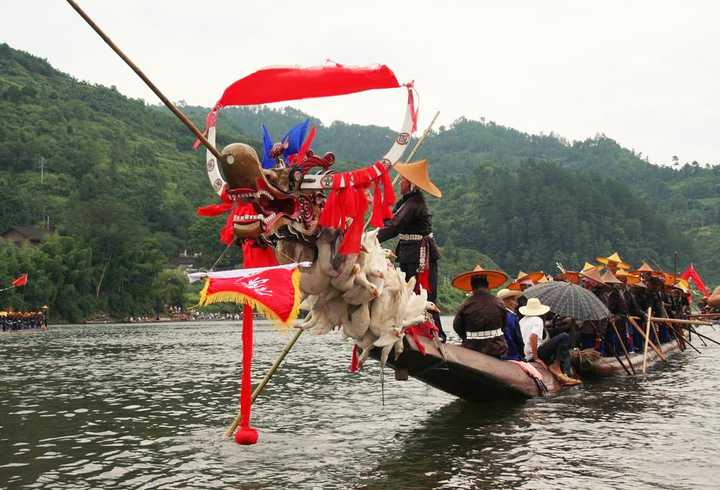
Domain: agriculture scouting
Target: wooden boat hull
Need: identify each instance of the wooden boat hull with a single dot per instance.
(477, 377)
(470, 375)
(609, 366)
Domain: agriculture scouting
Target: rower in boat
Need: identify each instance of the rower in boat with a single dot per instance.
(619, 310)
(416, 251)
(525, 280)
(631, 290)
(512, 333)
(614, 263)
(481, 318)
(592, 332)
(553, 352)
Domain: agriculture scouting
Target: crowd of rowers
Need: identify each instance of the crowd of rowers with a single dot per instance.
(510, 326)
(21, 320)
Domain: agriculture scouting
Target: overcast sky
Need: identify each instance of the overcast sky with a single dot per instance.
(645, 73)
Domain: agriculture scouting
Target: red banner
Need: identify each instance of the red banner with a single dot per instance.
(691, 274)
(283, 83)
(273, 291)
(294, 82)
(20, 281)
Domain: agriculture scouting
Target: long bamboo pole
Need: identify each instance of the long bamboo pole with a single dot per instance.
(642, 333)
(647, 340)
(198, 134)
(624, 348)
(419, 143)
(686, 341)
(259, 388)
(681, 321)
(693, 330)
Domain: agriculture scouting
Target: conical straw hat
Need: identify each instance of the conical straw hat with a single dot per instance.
(609, 278)
(645, 267)
(683, 285)
(615, 259)
(593, 275)
(531, 277)
(569, 276)
(494, 278)
(417, 174)
(588, 266)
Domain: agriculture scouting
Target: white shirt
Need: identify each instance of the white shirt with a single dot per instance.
(531, 325)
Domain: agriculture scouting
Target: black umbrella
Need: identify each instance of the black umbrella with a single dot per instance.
(567, 299)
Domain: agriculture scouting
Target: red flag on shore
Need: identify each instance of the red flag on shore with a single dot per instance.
(20, 281)
(691, 274)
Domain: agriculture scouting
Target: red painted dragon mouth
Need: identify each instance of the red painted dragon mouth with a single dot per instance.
(266, 211)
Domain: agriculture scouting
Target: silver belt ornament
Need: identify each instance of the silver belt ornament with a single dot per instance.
(413, 238)
(484, 334)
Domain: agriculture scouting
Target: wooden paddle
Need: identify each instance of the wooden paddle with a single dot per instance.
(624, 348)
(642, 333)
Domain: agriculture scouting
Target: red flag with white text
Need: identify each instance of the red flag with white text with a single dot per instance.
(273, 291)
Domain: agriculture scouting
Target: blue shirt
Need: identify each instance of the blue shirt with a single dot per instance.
(513, 337)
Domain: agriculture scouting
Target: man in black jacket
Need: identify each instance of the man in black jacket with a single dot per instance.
(416, 251)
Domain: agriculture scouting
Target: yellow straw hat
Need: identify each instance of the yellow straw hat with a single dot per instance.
(532, 277)
(613, 259)
(588, 266)
(494, 278)
(417, 174)
(507, 293)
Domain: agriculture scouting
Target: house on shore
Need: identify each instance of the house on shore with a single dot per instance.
(25, 236)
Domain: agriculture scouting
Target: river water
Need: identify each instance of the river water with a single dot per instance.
(145, 406)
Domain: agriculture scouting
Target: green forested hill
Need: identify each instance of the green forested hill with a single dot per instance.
(121, 184)
(562, 201)
(120, 188)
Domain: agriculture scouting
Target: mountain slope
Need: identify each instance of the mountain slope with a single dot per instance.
(121, 183)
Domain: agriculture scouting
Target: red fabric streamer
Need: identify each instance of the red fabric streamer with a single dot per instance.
(347, 203)
(411, 102)
(424, 279)
(388, 191)
(226, 233)
(216, 209)
(690, 273)
(427, 329)
(294, 83)
(210, 121)
(354, 361)
(213, 209)
(378, 216)
(353, 235)
(255, 255)
(246, 434)
(300, 155)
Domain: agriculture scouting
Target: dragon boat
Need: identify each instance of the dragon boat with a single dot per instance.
(477, 377)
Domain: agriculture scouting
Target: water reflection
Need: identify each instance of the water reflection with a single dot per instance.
(134, 406)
